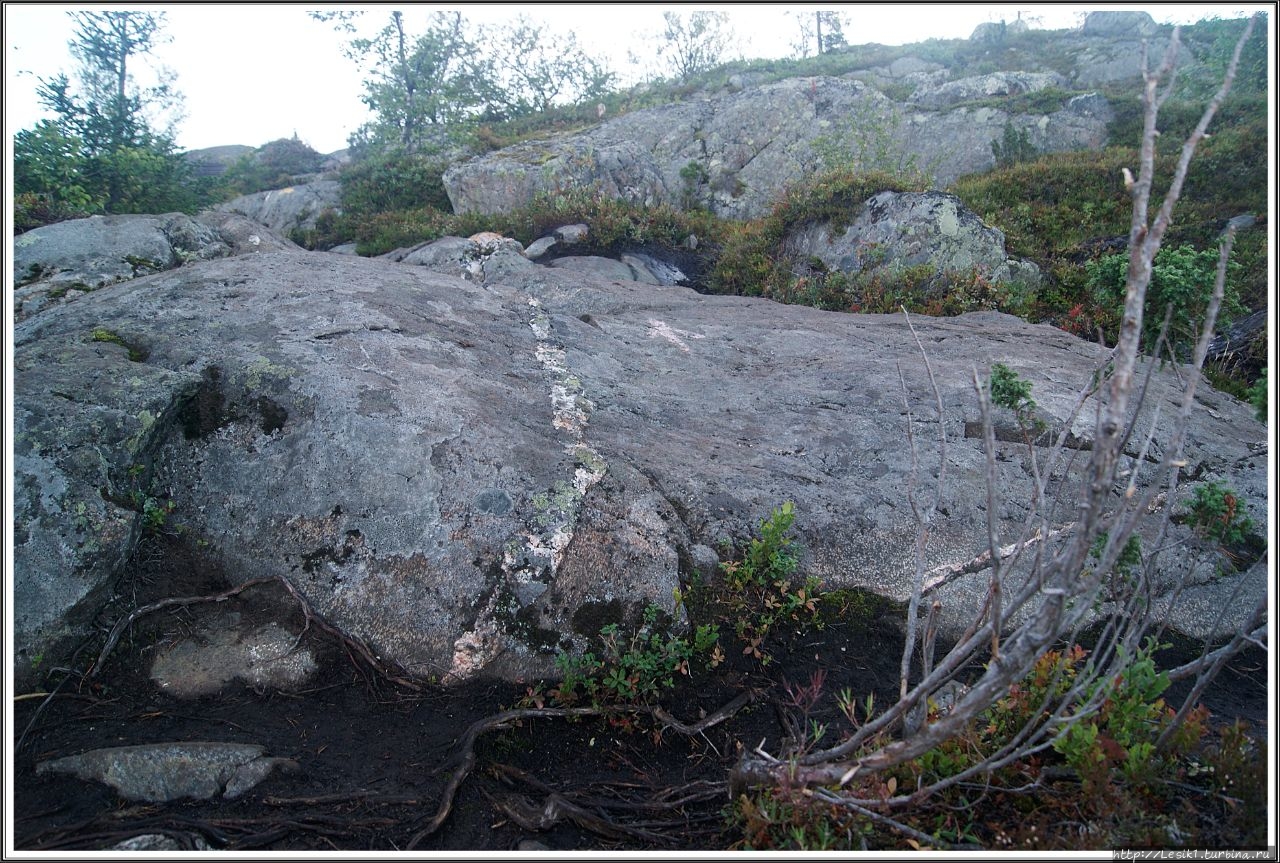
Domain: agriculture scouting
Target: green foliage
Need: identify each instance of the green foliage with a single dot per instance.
(769, 556)
(155, 513)
(1123, 731)
(752, 261)
(635, 667)
(34, 210)
(870, 140)
(1213, 41)
(100, 154)
(758, 588)
(56, 178)
(393, 181)
(48, 173)
(1181, 278)
(1010, 391)
(787, 819)
(1063, 210)
(616, 225)
(274, 165)
(389, 200)
(1258, 396)
(694, 176)
(695, 43)
(1014, 147)
(534, 69)
(431, 91)
(1217, 512)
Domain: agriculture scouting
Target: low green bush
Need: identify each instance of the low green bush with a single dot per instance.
(1182, 280)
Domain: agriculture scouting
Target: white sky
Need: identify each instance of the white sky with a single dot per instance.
(251, 73)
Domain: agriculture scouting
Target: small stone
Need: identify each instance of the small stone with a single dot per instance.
(539, 247)
(571, 234)
(162, 772)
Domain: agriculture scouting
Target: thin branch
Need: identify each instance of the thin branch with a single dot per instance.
(920, 836)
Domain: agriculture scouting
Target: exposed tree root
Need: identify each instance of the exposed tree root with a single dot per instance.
(466, 755)
(588, 812)
(128, 620)
(357, 650)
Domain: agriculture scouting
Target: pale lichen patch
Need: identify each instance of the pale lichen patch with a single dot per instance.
(529, 565)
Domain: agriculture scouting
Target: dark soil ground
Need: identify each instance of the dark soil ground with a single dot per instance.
(375, 757)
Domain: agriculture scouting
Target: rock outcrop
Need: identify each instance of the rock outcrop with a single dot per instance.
(995, 85)
(60, 262)
(469, 474)
(214, 161)
(752, 144)
(283, 210)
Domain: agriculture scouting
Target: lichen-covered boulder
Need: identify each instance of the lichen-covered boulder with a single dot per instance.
(1118, 23)
(166, 772)
(896, 230)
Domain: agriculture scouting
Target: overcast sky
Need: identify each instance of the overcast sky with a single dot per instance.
(251, 73)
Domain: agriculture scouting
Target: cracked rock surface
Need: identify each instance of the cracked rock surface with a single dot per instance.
(469, 474)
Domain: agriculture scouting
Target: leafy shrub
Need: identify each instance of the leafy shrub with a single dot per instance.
(393, 181)
(1123, 732)
(35, 209)
(274, 165)
(759, 591)
(1216, 511)
(1010, 391)
(1181, 278)
(379, 233)
(635, 667)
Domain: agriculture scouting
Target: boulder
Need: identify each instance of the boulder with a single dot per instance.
(990, 32)
(1115, 24)
(539, 247)
(895, 230)
(58, 263)
(283, 210)
(465, 257)
(470, 475)
(218, 648)
(1242, 348)
(102, 250)
(906, 67)
(603, 269)
(752, 144)
(454, 256)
